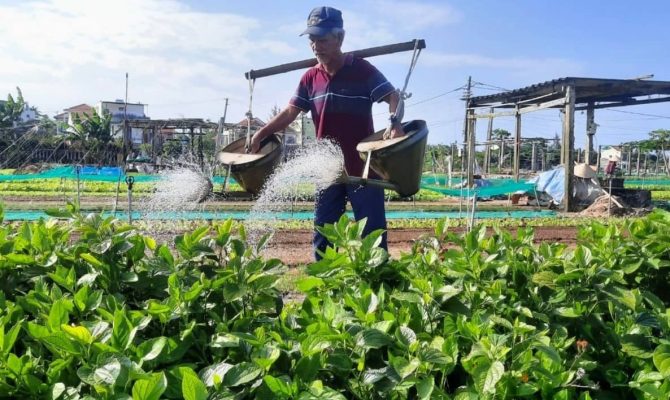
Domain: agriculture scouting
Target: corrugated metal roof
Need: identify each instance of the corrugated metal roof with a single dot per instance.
(586, 89)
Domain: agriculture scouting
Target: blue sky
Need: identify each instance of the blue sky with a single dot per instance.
(184, 58)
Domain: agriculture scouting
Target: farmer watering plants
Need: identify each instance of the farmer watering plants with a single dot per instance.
(339, 92)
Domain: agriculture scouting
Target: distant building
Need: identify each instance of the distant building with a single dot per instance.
(239, 130)
(303, 126)
(120, 110)
(28, 114)
(65, 119)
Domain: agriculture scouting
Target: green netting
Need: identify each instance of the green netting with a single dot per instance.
(647, 182)
(498, 187)
(104, 174)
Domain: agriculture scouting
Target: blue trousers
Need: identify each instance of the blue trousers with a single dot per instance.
(366, 201)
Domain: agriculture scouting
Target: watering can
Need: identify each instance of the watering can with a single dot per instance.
(399, 161)
(252, 170)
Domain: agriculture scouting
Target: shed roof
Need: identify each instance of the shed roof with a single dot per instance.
(618, 92)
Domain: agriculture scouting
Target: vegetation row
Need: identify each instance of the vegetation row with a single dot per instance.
(95, 309)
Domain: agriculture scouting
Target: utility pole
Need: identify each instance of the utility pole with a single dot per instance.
(466, 97)
(489, 133)
(126, 134)
(222, 127)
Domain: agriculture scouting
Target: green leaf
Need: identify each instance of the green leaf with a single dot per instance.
(151, 388)
(637, 346)
(662, 359)
(241, 374)
(278, 387)
(214, 373)
(152, 348)
(493, 375)
(192, 387)
(59, 342)
(91, 259)
(425, 387)
(372, 338)
(265, 356)
(79, 333)
(306, 284)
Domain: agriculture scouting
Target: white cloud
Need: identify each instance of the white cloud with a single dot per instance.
(172, 52)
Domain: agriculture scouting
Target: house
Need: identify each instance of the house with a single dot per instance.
(239, 130)
(120, 111)
(66, 118)
(28, 114)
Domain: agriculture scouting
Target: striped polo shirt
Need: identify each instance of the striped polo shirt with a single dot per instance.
(341, 105)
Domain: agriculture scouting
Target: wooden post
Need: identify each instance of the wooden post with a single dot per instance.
(533, 164)
(637, 166)
(567, 146)
(517, 143)
(629, 167)
(501, 155)
(590, 131)
(489, 133)
(600, 148)
(646, 158)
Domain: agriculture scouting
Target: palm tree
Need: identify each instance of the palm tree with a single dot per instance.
(92, 131)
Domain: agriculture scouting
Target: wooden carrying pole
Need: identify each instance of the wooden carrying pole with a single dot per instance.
(363, 53)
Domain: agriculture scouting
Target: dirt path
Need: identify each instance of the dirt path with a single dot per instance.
(294, 247)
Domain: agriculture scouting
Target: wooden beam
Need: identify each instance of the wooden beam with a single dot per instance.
(568, 145)
(590, 131)
(363, 53)
(625, 104)
(524, 110)
(517, 146)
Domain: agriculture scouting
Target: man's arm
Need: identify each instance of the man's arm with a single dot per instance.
(276, 124)
(395, 127)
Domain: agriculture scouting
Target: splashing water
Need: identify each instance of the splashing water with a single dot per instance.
(310, 170)
(181, 189)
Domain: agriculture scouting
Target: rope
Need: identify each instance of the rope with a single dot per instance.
(400, 109)
(247, 144)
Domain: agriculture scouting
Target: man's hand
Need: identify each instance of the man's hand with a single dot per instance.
(394, 131)
(255, 145)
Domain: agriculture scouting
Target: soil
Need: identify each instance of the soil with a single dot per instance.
(294, 247)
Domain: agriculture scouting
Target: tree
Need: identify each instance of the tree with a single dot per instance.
(661, 139)
(92, 131)
(10, 113)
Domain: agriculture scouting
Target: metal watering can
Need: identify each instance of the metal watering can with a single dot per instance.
(252, 170)
(399, 161)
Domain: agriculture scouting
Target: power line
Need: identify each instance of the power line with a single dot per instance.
(639, 113)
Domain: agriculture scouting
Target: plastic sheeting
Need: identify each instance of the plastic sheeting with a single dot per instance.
(553, 183)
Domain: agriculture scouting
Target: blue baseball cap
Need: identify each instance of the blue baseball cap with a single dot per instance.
(322, 20)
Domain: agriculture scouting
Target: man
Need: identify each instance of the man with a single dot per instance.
(339, 92)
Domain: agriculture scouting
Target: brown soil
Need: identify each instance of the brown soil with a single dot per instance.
(294, 247)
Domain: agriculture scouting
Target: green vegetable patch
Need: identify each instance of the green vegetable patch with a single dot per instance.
(95, 309)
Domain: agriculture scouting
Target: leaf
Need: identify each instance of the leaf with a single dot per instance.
(306, 284)
(549, 352)
(151, 388)
(278, 387)
(79, 333)
(214, 373)
(637, 346)
(372, 338)
(152, 348)
(192, 387)
(406, 335)
(265, 356)
(241, 374)
(425, 388)
(59, 342)
(91, 259)
(662, 359)
(493, 375)
(108, 373)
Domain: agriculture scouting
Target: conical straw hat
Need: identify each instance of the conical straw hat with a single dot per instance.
(584, 171)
